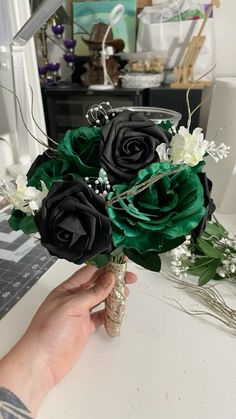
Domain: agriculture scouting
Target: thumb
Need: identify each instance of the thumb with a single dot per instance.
(86, 299)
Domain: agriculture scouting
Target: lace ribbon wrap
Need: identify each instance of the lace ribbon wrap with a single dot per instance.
(115, 302)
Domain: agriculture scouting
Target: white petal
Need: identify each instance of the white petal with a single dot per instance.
(183, 131)
(10, 187)
(34, 205)
(197, 131)
(44, 188)
(162, 152)
(31, 192)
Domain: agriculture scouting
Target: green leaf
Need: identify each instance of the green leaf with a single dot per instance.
(198, 168)
(172, 244)
(99, 261)
(208, 249)
(14, 223)
(166, 125)
(15, 219)
(213, 229)
(209, 272)
(27, 225)
(148, 260)
(201, 261)
(199, 265)
(222, 229)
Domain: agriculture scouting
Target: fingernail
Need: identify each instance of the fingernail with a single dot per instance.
(106, 280)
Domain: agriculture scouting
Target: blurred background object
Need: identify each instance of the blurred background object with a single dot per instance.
(222, 128)
(89, 13)
(102, 68)
(53, 33)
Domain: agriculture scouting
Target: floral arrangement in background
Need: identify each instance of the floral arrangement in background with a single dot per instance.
(123, 187)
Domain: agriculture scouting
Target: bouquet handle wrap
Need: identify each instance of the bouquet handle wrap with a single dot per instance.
(115, 302)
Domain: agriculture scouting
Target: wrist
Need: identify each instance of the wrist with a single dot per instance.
(23, 373)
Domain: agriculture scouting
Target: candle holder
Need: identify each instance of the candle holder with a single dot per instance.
(69, 44)
(58, 30)
(66, 45)
(69, 59)
(53, 68)
(69, 56)
(43, 69)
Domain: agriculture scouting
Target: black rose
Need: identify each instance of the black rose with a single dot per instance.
(73, 222)
(128, 143)
(208, 204)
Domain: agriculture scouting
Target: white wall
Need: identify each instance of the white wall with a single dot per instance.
(13, 16)
(222, 115)
(7, 120)
(225, 32)
(221, 128)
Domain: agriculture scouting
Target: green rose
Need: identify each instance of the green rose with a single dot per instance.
(50, 171)
(158, 218)
(81, 148)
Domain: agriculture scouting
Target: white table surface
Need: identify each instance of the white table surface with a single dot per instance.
(165, 365)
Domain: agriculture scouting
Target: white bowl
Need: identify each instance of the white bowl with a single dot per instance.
(156, 115)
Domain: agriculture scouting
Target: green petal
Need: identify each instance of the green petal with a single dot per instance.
(159, 217)
(51, 171)
(81, 148)
(148, 260)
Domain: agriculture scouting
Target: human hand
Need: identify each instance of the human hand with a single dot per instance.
(57, 335)
(64, 322)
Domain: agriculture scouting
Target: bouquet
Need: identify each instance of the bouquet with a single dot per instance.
(122, 188)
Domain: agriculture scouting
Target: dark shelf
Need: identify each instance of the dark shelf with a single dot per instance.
(66, 105)
(169, 98)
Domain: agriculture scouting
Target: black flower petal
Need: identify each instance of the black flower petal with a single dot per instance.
(208, 204)
(73, 222)
(128, 143)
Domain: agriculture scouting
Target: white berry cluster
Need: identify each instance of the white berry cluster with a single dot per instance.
(101, 185)
(98, 114)
(228, 266)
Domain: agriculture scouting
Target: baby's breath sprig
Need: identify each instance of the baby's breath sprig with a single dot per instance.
(213, 256)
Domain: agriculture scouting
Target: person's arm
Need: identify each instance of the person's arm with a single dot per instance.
(24, 382)
(53, 342)
(11, 406)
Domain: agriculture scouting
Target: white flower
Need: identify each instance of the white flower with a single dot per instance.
(163, 152)
(25, 198)
(188, 148)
